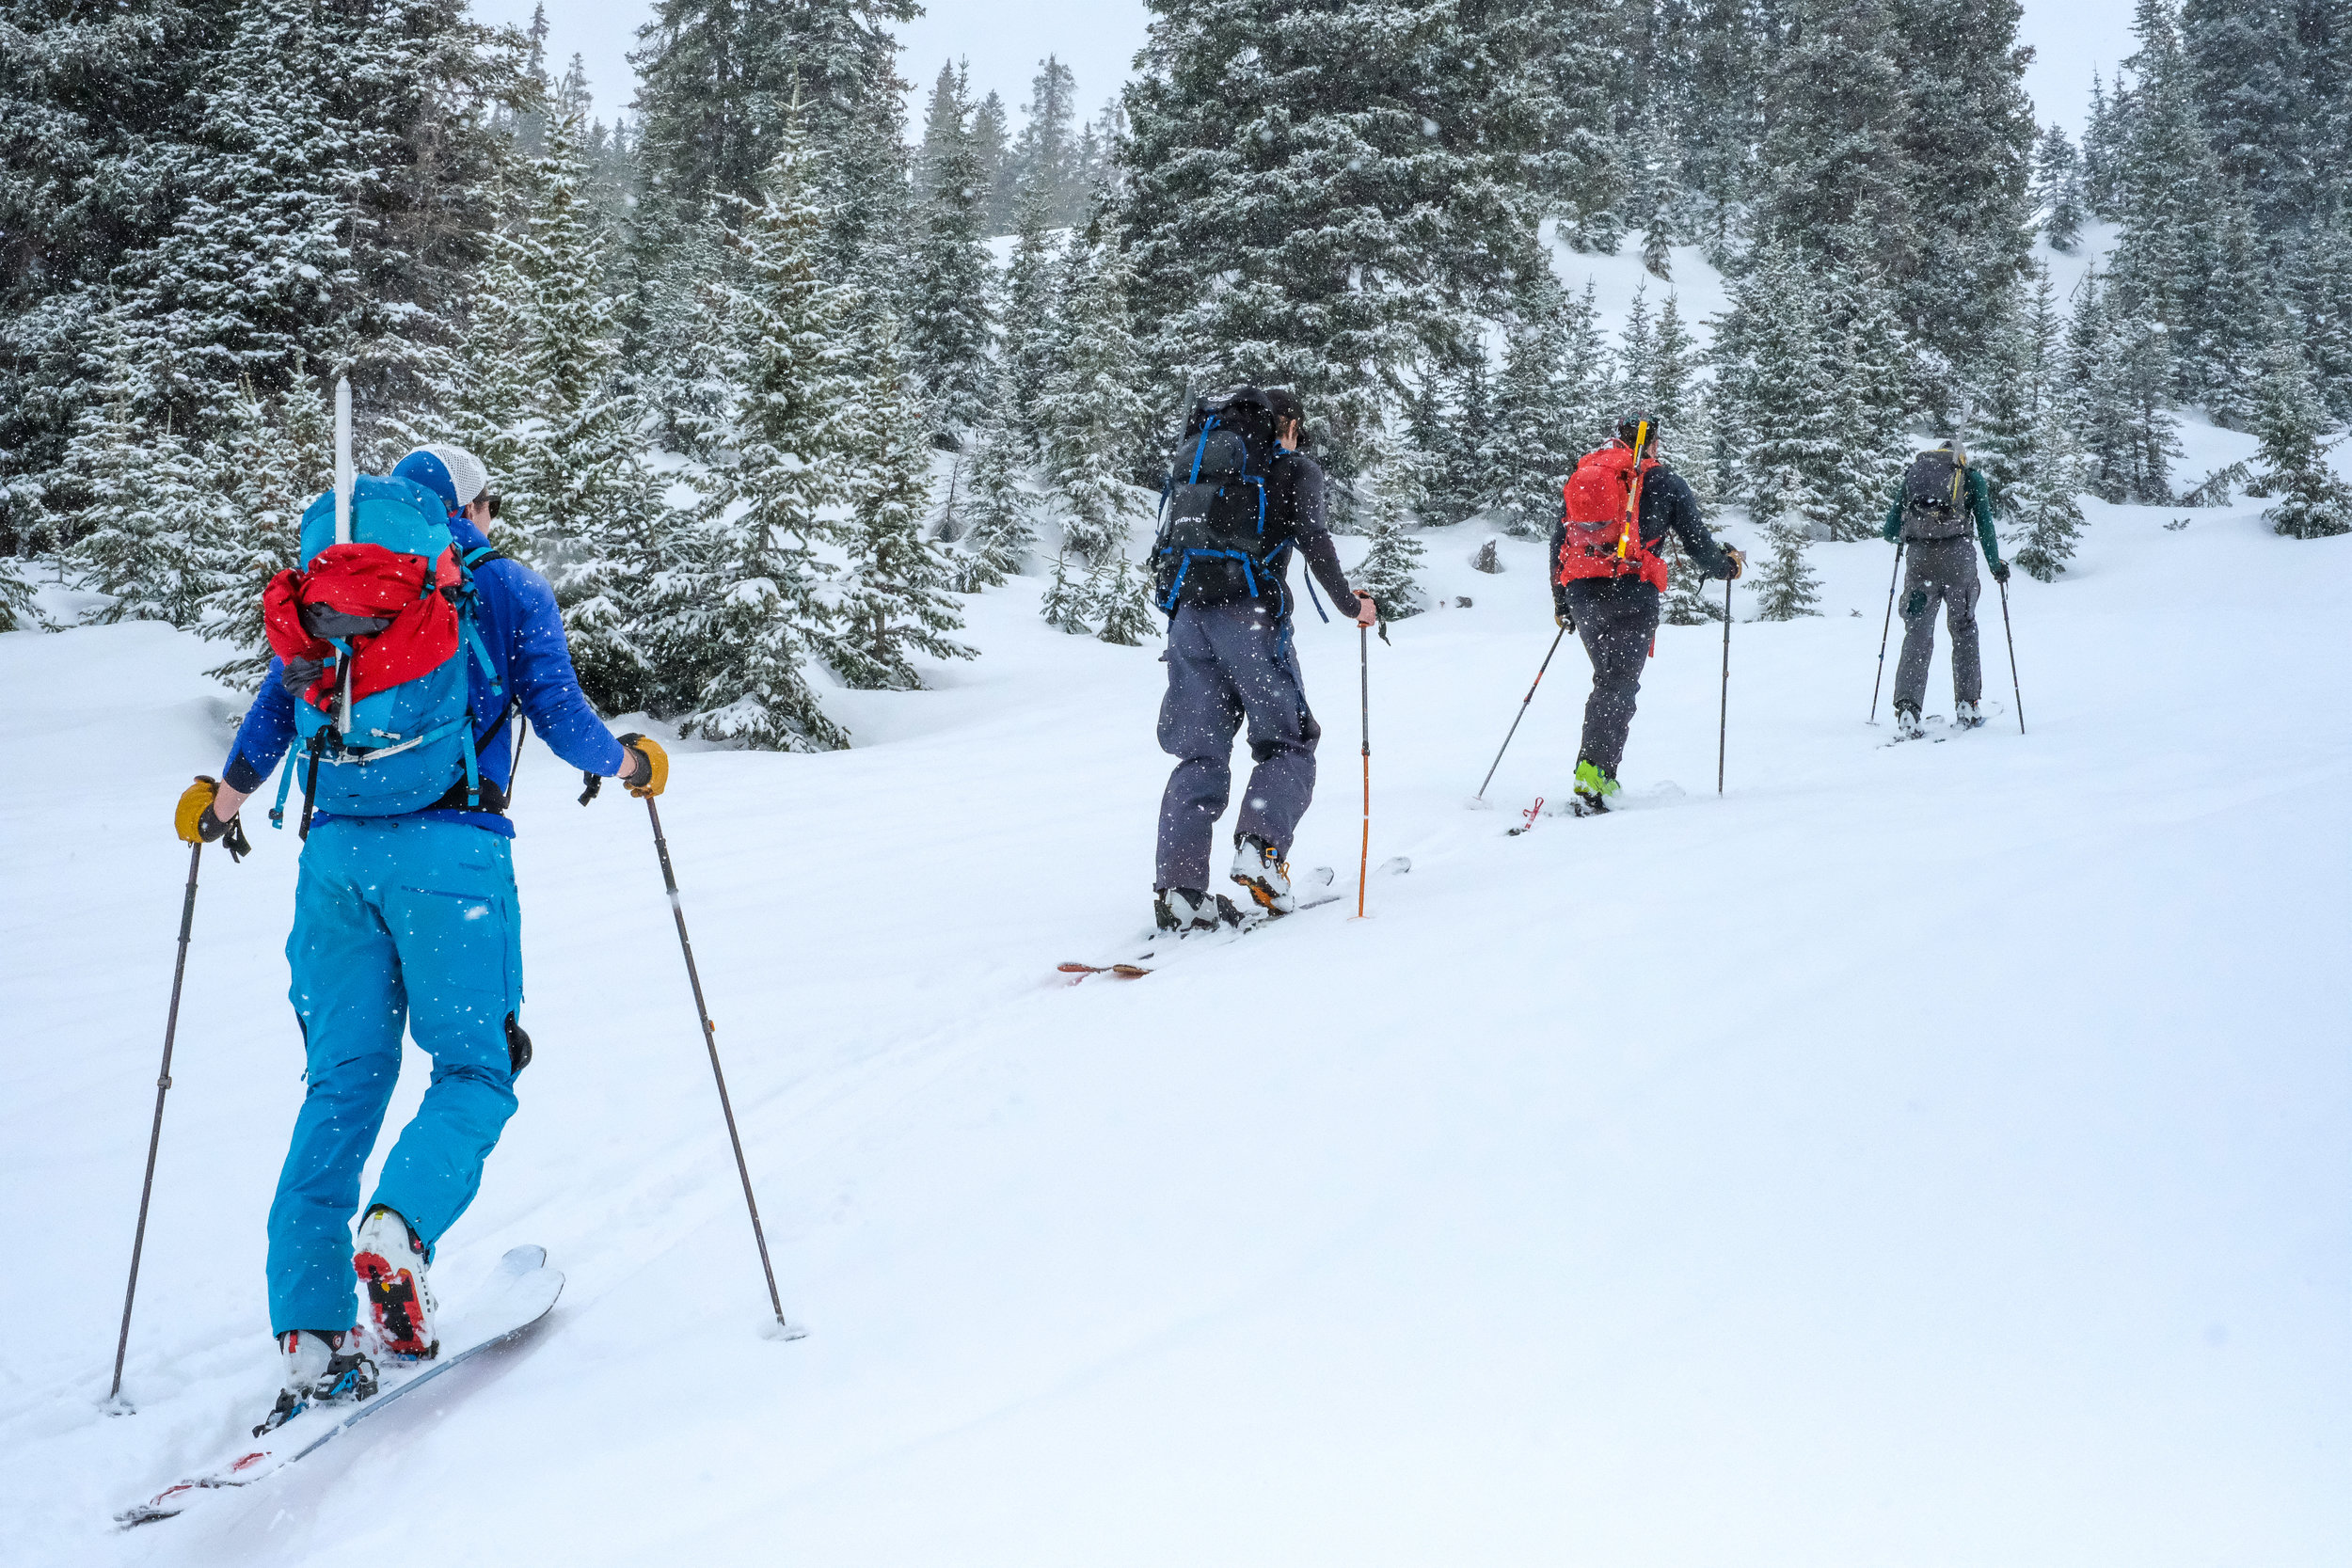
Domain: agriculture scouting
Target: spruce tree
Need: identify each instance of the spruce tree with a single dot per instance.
(2120, 363)
(1388, 495)
(1046, 154)
(2028, 449)
(270, 467)
(999, 529)
(151, 522)
(1091, 414)
(1031, 292)
(2311, 501)
(1967, 144)
(1310, 184)
(948, 322)
(755, 615)
(2057, 189)
(1065, 604)
(890, 603)
(1120, 600)
(1547, 405)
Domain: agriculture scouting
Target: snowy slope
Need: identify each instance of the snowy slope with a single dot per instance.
(1929, 1155)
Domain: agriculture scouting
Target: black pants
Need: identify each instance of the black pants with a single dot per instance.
(1616, 619)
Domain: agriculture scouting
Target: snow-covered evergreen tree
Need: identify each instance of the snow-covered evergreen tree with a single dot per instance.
(2058, 202)
(891, 603)
(1046, 154)
(1122, 600)
(950, 292)
(1385, 156)
(755, 613)
(2028, 449)
(1066, 604)
(2119, 364)
(1388, 503)
(152, 519)
(1091, 414)
(2309, 500)
(1025, 350)
(999, 530)
(269, 468)
(1550, 404)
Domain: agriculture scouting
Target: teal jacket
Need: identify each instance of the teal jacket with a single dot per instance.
(1979, 500)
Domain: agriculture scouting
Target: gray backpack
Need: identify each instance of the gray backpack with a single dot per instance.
(1935, 497)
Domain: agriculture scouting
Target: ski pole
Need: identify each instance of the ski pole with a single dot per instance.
(155, 1135)
(1722, 722)
(2010, 638)
(1523, 713)
(686, 946)
(1884, 627)
(1363, 863)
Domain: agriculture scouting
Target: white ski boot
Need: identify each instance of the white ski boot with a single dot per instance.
(1183, 910)
(1907, 725)
(1966, 716)
(391, 1263)
(321, 1367)
(1266, 875)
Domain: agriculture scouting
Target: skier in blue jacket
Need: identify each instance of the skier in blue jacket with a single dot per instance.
(407, 920)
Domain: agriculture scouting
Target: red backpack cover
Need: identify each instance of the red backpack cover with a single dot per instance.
(1595, 511)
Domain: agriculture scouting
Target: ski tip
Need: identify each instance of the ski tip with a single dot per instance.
(1396, 866)
(523, 1259)
(1129, 971)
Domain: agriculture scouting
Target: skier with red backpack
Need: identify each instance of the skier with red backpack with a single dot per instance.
(1609, 583)
(403, 647)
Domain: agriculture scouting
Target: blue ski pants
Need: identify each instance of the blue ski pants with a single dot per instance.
(1227, 663)
(398, 922)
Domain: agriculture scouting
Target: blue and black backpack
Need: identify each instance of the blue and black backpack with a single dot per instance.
(1217, 543)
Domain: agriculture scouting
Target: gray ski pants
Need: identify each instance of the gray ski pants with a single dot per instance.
(1616, 620)
(1940, 571)
(1227, 663)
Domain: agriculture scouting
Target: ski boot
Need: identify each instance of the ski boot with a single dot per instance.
(1593, 790)
(1265, 874)
(322, 1367)
(1183, 910)
(1966, 716)
(1907, 725)
(391, 1263)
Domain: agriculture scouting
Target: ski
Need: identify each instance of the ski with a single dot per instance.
(520, 1293)
(1162, 944)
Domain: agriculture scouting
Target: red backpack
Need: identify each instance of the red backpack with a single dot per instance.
(1596, 509)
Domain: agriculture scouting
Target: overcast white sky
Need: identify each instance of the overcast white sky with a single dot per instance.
(1099, 39)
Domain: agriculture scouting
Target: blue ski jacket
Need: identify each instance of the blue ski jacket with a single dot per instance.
(523, 631)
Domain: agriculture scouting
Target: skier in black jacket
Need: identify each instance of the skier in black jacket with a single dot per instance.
(1612, 598)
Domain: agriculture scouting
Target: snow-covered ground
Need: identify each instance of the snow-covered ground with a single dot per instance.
(1927, 1155)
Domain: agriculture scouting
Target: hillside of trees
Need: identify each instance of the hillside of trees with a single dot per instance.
(771, 371)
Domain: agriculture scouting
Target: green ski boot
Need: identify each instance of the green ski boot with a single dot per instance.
(1593, 790)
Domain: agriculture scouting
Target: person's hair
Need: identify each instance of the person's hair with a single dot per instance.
(1283, 404)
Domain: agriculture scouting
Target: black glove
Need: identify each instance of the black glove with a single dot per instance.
(1739, 564)
(2000, 571)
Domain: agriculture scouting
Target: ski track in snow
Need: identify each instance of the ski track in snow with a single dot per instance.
(1931, 1154)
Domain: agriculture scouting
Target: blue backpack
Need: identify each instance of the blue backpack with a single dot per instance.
(410, 746)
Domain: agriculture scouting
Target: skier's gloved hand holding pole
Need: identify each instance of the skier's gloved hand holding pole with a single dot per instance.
(197, 818)
(2000, 571)
(647, 772)
(1739, 564)
(1367, 616)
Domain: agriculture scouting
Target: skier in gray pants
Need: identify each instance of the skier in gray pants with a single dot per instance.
(1229, 659)
(1939, 498)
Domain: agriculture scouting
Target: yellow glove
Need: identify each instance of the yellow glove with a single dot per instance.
(653, 773)
(1739, 564)
(194, 821)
